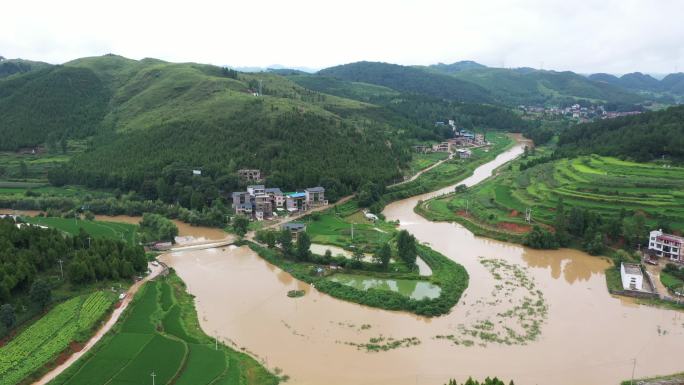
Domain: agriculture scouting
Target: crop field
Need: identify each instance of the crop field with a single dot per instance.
(43, 341)
(604, 185)
(423, 161)
(334, 228)
(160, 333)
(102, 229)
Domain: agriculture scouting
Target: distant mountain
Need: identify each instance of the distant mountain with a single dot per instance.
(531, 86)
(640, 81)
(674, 83)
(13, 66)
(273, 68)
(410, 80)
(457, 66)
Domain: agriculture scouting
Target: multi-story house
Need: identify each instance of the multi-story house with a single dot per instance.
(666, 245)
(315, 196)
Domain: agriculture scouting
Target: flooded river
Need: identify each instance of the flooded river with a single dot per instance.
(578, 333)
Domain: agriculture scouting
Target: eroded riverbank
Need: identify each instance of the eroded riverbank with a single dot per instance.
(587, 336)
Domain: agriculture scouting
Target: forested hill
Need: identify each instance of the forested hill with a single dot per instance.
(641, 137)
(50, 104)
(410, 80)
(147, 124)
(529, 86)
(18, 66)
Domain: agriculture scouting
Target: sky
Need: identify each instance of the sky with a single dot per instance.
(585, 36)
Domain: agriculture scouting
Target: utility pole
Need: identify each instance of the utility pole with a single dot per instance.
(633, 369)
(153, 376)
(61, 270)
(88, 242)
(467, 205)
(528, 215)
(352, 231)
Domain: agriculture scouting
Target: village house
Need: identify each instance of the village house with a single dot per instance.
(261, 203)
(315, 196)
(294, 228)
(666, 245)
(464, 153)
(632, 276)
(249, 175)
(442, 147)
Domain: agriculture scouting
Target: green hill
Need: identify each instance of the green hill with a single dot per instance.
(642, 137)
(50, 104)
(148, 123)
(410, 80)
(18, 66)
(529, 86)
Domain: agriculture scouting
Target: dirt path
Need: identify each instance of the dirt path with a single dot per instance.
(423, 171)
(156, 270)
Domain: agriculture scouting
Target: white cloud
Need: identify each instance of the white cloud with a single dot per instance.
(585, 36)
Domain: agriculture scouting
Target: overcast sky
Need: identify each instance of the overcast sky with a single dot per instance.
(615, 36)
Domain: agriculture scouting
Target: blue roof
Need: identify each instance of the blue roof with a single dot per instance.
(297, 195)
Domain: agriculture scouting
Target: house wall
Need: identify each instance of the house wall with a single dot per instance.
(627, 280)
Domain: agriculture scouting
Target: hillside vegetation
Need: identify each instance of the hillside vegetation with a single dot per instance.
(516, 86)
(50, 105)
(410, 80)
(641, 137)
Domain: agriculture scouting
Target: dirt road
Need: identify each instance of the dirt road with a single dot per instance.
(156, 270)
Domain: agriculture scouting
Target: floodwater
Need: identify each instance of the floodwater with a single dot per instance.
(187, 234)
(320, 249)
(586, 336)
(408, 287)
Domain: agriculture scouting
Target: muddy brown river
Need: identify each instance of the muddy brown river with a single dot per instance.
(573, 333)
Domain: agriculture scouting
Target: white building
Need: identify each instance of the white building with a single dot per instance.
(666, 245)
(632, 276)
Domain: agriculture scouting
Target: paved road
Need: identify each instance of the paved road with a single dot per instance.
(156, 270)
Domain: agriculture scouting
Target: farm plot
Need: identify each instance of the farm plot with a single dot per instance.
(43, 341)
(606, 186)
(102, 229)
(160, 334)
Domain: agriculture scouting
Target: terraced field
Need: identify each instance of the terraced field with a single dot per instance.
(161, 334)
(43, 341)
(603, 185)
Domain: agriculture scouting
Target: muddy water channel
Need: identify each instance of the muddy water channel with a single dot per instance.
(538, 317)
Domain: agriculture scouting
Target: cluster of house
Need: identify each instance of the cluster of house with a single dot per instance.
(19, 224)
(260, 203)
(575, 111)
(460, 144)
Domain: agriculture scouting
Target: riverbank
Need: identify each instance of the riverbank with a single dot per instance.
(569, 348)
(449, 276)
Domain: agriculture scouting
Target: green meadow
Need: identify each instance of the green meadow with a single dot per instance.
(102, 229)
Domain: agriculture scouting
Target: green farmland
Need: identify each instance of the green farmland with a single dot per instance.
(101, 229)
(450, 172)
(333, 227)
(161, 334)
(602, 185)
(39, 344)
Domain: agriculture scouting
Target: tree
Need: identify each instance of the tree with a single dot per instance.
(357, 257)
(240, 225)
(285, 241)
(303, 245)
(406, 247)
(327, 256)
(7, 315)
(40, 293)
(382, 256)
